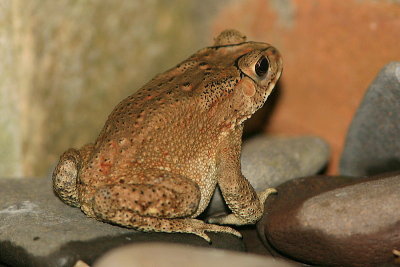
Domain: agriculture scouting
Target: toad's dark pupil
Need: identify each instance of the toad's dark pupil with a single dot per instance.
(262, 66)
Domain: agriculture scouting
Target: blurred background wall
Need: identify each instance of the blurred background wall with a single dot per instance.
(65, 64)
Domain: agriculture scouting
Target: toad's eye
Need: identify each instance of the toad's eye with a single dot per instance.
(262, 66)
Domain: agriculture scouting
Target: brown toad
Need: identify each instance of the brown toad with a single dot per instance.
(163, 150)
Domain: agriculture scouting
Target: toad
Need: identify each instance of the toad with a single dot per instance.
(164, 149)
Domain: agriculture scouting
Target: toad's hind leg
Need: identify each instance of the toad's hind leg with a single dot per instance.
(154, 208)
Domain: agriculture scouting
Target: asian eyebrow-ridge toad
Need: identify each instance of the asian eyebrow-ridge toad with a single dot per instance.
(164, 149)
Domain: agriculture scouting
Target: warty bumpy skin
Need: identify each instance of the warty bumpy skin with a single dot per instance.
(164, 149)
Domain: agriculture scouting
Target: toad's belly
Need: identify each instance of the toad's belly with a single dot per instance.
(207, 187)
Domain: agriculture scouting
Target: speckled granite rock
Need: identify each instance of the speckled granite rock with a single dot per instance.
(373, 140)
(335, 221)
(37, 229)
(269, 161)
(142, 255)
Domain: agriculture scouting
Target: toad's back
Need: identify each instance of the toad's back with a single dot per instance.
(173, 122)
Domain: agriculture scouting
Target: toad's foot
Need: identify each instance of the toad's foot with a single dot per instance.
(150, 224)
(264, 194)
(232, 219)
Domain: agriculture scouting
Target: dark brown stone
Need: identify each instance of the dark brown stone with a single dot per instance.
(335, 221)
(252, 241)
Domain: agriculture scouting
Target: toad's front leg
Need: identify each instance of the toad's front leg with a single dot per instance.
(247, 206)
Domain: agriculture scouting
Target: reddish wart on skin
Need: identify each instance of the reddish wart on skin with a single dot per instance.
(204, 66)
(226, 126)
(105, 167)
(187, 87)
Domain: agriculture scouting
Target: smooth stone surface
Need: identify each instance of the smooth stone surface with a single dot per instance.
(269, 161)
(167, 255)
(335, 221)
(37, 229)
(373, 140)
(252, 241)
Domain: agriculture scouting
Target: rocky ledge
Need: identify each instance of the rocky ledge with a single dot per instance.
(37, 229)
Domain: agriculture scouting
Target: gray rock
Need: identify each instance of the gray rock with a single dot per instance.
(142, 255)
(335, 221)
(373, 140)
(37, 229)
(270, 161)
